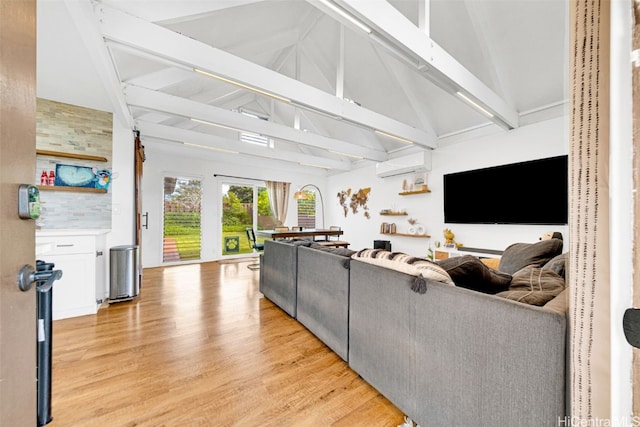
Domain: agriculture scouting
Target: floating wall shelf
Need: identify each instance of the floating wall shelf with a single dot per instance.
(424, 236)
(407, 193)
(71, 155)
(75, 189)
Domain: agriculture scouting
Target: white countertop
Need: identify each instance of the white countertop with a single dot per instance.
(72, 232)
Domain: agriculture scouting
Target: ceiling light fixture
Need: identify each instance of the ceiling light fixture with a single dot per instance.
(252, 89)
(475, 104)
(205, 122)
(399, 138)
(188, 144)
(315, 166)
(346, 15)
(346, 154)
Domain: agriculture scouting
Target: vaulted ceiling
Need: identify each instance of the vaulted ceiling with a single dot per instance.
(340, 82)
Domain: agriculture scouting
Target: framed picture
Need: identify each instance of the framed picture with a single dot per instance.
(74, 176)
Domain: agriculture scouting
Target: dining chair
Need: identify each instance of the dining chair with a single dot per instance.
(334, 241)
(281, 228)
(333, 228)
(251, 235)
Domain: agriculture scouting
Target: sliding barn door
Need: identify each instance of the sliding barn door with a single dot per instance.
(139, 162)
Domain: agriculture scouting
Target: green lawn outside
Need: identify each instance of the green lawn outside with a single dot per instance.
(188, 245)
(184, 230)
(244, 242)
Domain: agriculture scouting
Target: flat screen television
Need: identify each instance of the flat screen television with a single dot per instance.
(531, 192)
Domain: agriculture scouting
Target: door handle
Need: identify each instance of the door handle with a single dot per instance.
(631, 326)
(146, 220)
(45, 278)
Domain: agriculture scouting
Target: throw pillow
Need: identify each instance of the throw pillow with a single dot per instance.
(560, 303)
(519, 255)
(533, 285)
(469, 272)
(557, 264)
(491, 262)
(398, 261)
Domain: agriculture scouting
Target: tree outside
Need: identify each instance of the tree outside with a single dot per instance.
(237, 216)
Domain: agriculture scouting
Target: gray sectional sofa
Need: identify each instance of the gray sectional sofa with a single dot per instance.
(448, 356)
(278, 270)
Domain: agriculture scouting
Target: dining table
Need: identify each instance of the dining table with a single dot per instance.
(291, 234)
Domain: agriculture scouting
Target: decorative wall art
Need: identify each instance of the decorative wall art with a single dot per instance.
(355, 201)
(81, 176)
(74, 176)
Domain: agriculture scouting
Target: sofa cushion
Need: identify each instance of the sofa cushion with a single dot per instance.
(491, 262)
(470, 272)
(534, 285)
(560, 303)
(557, 264)
(345, 252)
(421, 268)
(519, 255)
(300, 242)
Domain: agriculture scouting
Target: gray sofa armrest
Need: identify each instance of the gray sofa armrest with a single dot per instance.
(488, 361)
(323, 297)
(278, 274)
(453, 356)
(381, 341)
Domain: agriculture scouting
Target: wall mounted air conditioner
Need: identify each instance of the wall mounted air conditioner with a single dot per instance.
(413, 163)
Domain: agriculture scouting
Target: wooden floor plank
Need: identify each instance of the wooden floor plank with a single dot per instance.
(201, 346)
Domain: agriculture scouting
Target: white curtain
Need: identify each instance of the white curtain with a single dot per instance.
(279, 199)
(588, 269)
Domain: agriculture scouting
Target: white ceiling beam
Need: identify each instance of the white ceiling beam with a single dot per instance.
(271, 43)
(493, 62)
(417, 105)
(147, 37)
(174, 11)
(424, 16)
(84, 19)
(440, 67)
(340, 66)
(161, 79)
(158, 101)
(170, 133)
(326, 71)
(228, 101)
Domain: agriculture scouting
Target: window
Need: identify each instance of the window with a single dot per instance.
(254, 138)
(181, 230)
(307, 210)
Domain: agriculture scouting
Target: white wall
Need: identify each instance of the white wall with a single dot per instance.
(122, 190)
(539, 140)
(544, 139)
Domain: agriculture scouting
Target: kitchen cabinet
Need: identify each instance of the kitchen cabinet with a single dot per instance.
(80, 256)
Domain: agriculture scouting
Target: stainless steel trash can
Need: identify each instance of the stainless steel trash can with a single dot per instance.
(124, 273)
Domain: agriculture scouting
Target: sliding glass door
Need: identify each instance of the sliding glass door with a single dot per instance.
(243, 206)
(181, 219)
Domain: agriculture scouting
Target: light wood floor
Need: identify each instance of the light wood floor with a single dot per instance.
(201, 346)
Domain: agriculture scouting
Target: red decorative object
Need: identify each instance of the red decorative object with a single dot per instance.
(52, 178)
